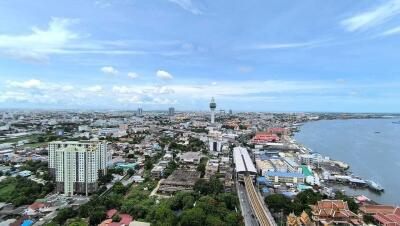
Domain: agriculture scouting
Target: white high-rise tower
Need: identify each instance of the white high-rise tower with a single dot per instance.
(76, 165)
(213, 105)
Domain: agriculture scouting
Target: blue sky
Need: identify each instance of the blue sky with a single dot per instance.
(251, 55)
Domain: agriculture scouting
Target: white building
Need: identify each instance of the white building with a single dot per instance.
(76, 165)
(215, 140)
(190, 158)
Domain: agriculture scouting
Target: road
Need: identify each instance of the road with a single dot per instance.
(247, 212)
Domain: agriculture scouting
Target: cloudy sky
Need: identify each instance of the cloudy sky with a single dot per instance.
(251, 55)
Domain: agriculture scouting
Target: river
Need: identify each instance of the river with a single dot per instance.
(370, 146)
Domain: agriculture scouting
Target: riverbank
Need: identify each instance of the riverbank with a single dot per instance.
(369, 146)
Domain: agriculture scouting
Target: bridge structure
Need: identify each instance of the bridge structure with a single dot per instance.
(246, 172)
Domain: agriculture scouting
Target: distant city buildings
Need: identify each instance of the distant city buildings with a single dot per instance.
(76, 165)
(139, 112)
(171, 111)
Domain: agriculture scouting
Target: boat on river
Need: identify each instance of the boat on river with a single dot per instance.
(373, 185)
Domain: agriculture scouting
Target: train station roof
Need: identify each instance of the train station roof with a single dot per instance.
(242, 160)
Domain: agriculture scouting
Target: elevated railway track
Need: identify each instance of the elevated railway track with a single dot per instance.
(262, 213)
(245, 171)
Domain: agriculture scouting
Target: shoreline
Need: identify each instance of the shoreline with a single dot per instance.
(348, 182)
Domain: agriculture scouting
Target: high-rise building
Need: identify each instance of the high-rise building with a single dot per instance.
(230, 112)
(76, 165)
(213, 106)
(215, 141)
(139, 112)
(171, 111)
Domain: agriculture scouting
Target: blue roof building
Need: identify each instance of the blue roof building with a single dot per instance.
(27, 223)
(265, 191)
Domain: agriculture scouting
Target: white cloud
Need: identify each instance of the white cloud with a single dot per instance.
(161, 100)
(39, 43)
(392, 31)
(36, 91)
(67, 88)
(187, 5)
(35, 84)
(29, 84)
(143, 89)
(58, 94)
(109, 70)
(19, 96)
(132, 75)
(130, 99)
(124, 89)
(214, 83)
(373, 17)
(284, 45)
(164, 75)
(94, 89)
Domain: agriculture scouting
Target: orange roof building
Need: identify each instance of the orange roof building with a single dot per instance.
(334, 212)
(384, 214)
(265, 137)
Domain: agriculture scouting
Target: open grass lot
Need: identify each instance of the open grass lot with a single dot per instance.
(22, 191)
(31, 138)
(6, 190)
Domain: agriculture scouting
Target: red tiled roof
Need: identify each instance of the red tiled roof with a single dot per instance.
(105, 222)
(115, 224)
(385, 214)
(382, 218)
(125, 219)
(265, 137)
(36, 205)
(397, 211)
(372, 209)
(332, 209)
(110, 213)
(393, 218)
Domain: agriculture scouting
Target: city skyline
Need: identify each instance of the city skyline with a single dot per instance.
(307, 56)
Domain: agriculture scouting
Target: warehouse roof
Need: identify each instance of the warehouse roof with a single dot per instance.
(284, 174)
(242, 160)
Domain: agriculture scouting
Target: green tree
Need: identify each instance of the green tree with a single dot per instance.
(193, 217)
(116, 218)
(64, 214)
(278, 202)
(231, 201)
(233, 219)
(202, 186)
(202, 167)
(131, 172)
(353, 206)
(97, 216)
(164, 215)
(119, 188)
(214, 221)
(148, 163)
